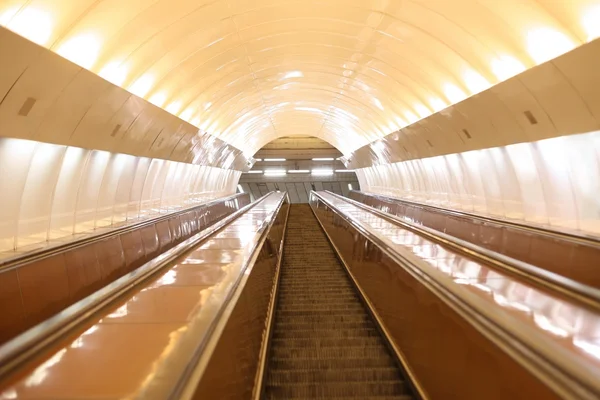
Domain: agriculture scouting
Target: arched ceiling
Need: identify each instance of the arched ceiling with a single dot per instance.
(346, 71)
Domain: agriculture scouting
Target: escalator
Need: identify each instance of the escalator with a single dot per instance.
(324, 342)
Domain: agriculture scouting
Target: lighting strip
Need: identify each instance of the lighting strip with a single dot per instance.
(275, 172)
(321, 172)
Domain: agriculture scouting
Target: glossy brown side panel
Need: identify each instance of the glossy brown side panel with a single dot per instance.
(573, 258)
(164, 235)
(233, 366)
(44, 288)
(12, 317)
(84, 273)
(175, 224)
(51, 284)
(133, 249)
(450, 358)
(111, 258)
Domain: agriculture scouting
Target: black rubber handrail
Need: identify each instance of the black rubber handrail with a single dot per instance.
(574, 237)
(26, 258)
(576, 291)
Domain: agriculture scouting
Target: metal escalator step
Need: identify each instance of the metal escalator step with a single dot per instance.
(334, 375)
(339, 389)
(324, 343)
(332, 352)
(329, 363)
(290, 312)
(319, 326)
(335, 333)
(328, 341)
(331, 318)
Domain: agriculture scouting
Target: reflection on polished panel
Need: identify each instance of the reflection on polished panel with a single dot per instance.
(565, 253)
(566, 324)
(154, 332)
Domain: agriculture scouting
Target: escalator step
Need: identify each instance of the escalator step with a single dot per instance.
(324, 343)
(358, 389)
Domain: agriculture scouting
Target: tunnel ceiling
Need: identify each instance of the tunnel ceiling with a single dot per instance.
(346, 71)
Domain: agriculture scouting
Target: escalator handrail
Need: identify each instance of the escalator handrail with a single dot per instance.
(554, 365)
(576, 291)
(186, 386)
(25, 346)
(556, 234)
(37, 254)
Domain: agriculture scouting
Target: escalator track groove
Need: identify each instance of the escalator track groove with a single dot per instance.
(324, 343)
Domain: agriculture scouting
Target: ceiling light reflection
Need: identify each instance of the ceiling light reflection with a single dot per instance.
(411, 117)
(437, 104)
(545, 44)
(591, 23)
(475, 82)
(82, 50)
(158, 99)
(506, 67)
(453, 93)
(422, 110)
(7, 15)
(293, 74)
(142, 86)
(114, 72)
(31, 23)
(174, 107)
(186, 114)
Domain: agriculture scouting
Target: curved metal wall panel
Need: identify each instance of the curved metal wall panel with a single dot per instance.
(557, 98)
(552, 182)
(347, 71)
(51, 191)
(45, 97)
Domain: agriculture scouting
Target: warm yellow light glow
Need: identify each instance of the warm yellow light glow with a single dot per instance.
(174, 107)
(142, 86)
(377, 103)
(7, 15)
(82, 50)
(392, 126)
(33, 24)
(114, 72)
(475, 82)
(591, 22)
(453, 93)
(422, 110)
(186, 114)
(505, 67)
(158, 99)
(411, 117)
(293, 74)
(437, 104)
(545, 44)
(400, 122)
(195, 121)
